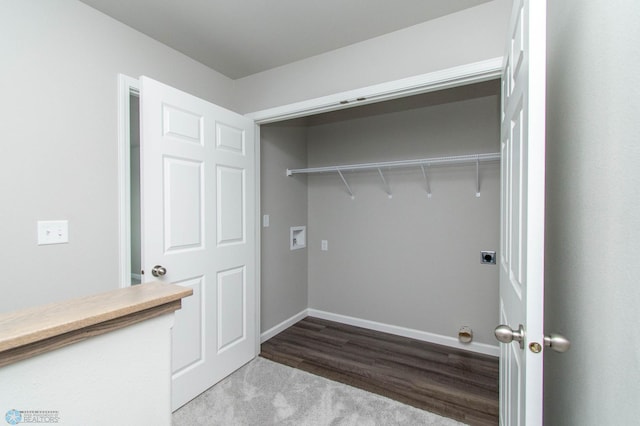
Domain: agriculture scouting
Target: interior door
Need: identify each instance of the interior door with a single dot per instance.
(522, 216)
(198, 213)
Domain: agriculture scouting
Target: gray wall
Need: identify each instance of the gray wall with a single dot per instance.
(408, 261)
(58, 157)
(284, 272)
(59, 118)
(593, 222)
(461, 38)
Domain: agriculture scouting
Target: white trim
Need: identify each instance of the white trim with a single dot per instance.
(283, 325)
(438, 339)
(258, 235)
(424, 336)
(451, 77)
(126, 86)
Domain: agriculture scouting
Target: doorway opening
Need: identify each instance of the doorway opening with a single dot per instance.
(397, 251)
(134, 191)
(130, 270)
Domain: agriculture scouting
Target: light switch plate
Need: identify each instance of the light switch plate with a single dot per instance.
(53, 232)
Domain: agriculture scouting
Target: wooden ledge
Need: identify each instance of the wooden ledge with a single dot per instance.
(32, 331)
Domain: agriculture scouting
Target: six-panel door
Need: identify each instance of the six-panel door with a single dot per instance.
(198, 214)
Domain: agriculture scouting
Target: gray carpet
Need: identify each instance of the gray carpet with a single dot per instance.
(266, 393)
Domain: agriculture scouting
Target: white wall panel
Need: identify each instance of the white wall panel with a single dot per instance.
(593, 193)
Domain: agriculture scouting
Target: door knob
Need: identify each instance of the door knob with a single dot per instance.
(506, 334)
(557, 342)
(158, 271)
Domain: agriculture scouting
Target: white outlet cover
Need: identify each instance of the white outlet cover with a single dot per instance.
(53, 232)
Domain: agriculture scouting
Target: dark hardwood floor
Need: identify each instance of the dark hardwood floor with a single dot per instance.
(446, 381)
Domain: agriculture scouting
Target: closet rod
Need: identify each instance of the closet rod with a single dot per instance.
(457, 159)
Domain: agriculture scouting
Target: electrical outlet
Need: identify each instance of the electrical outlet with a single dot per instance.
(324, 245)
(488, 257)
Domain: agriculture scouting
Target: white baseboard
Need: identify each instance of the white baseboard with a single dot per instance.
(283, 325)
(482, 348)
(438, 339)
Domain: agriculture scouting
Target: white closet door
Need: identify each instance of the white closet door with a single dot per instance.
(522, 215)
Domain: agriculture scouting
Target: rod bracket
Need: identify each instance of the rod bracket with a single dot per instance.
(425, 169)
(387, 187)
(353, 197)
(477, 177)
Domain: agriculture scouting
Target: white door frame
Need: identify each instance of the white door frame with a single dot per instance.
(438, 80)
(475, 72)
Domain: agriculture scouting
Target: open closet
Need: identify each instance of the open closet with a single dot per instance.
(393, 246)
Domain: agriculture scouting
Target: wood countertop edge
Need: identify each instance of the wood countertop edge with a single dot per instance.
(28, 326)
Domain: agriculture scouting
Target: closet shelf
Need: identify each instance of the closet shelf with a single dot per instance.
(424, 164)
(436, 161)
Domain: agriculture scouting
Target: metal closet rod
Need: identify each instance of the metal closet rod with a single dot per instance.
(436, 161)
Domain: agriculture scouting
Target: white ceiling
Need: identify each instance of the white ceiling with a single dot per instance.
(242, 37)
